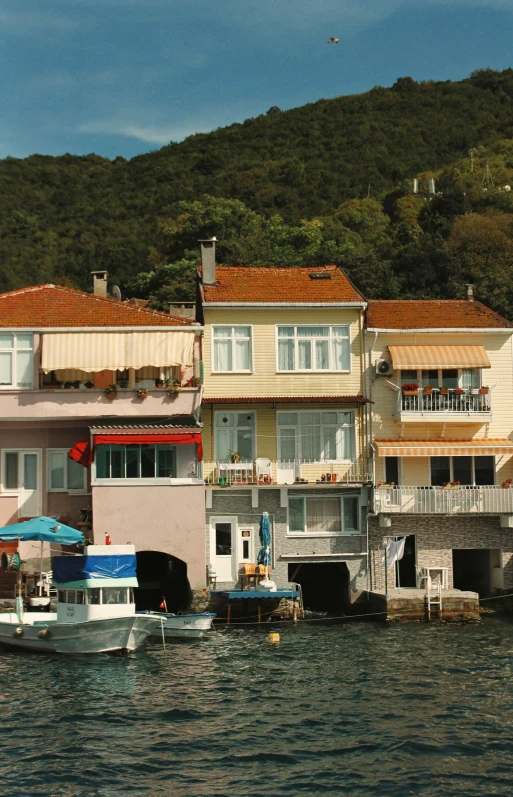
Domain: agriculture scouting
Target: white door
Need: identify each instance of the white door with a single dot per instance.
(22, 476)
(286, 467)
(223, 548)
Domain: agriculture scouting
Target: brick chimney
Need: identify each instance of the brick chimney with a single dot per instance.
(208, 261)
(99, 283)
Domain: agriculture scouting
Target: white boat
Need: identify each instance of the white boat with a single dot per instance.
(95, 607)
(185, 626)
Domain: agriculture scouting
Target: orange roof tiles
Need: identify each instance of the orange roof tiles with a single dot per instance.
(432, 314)
(255, 284)
(43, 306)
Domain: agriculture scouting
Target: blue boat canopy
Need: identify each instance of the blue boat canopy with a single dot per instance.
(94, 569)
(42, 529)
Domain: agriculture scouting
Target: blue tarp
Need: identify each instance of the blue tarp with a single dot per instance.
(42, 529)
(80, 568)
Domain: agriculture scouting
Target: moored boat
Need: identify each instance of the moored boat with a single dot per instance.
(184, 626)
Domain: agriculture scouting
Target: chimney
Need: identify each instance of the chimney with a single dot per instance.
(208, 261)
(99, 283)
(470, 293)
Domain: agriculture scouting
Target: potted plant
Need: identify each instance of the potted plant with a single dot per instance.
(173, 390)
(142, 393)
(444, 391)
(159, 383)
(234, 456)
(428, 390)
(507, 484)
(89, 385)
(68, 385)
(484, 390)
(458, 391)
(123, 382)
(410, 389)
(169, 382)
(111, 391)
(76, 384)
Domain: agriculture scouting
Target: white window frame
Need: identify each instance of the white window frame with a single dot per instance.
(132, 481)
(300, 458)
(254, 430)
(440, 383)
(65, 489)
(14, 360)
(37, 451)
(342, 533)
(295, 338)
(232, 339)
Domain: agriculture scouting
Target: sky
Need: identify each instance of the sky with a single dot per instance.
(124, 77)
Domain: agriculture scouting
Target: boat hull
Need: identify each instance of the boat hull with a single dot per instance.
(109, 635)
(183, 626)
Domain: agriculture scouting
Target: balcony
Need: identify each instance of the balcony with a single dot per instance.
(440, 406)
(264, 472)
(61, 404)
(450, 500)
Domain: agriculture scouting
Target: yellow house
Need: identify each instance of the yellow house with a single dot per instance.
(441, 378)
(285, 422)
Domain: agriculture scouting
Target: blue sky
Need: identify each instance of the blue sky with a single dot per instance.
(122, 77)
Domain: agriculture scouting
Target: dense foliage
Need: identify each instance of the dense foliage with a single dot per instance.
(328, 182)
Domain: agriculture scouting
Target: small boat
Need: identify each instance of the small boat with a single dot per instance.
(185, 626)
(95, 598)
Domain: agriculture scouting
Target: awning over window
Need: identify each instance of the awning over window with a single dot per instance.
(100, 351)
(81, 451)
(406, 357)
(444, 448)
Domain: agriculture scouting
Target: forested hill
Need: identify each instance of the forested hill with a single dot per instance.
(337, 173)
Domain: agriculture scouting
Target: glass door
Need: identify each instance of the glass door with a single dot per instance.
(223, 548)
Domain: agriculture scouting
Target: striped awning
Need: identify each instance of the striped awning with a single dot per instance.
(404, 357)
(444, 448)
(100, 351)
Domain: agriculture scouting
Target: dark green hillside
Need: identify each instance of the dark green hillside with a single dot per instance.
(63, 217)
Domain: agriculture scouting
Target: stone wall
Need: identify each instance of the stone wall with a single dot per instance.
(436, 537)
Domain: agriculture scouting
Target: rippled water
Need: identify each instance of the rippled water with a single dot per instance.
(352, 709)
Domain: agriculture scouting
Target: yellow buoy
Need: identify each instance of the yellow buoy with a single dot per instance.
(274, 638)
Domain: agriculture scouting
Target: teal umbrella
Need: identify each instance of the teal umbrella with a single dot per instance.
(42, 529)
(264, 555)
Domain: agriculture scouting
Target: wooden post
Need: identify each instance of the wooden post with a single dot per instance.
(259, 612)
(228, 613)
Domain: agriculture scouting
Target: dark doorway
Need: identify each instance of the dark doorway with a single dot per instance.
(471, 570)
(406, 568)
(325, 585)
(161, 575)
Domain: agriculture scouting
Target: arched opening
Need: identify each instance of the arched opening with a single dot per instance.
(325, 585)
(161, 575)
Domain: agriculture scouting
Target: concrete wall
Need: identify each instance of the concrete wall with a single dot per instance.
(169, 518)
(436, 537)
(310, 548)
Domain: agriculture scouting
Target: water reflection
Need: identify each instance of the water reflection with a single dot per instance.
(351, 709)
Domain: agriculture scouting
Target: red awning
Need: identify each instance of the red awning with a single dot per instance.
(81, 452)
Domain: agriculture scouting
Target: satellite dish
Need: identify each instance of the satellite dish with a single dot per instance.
(333, 40)
(116, 292)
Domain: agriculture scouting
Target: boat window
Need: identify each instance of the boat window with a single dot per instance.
(131, 598)
(62, 596)
(71, 596)
(93, 596)
(114, 595)
(80, 596)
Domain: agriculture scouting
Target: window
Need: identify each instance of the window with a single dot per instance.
(316, 436)
(466, 470)
(323, 514)
(467, 378)
(232, 348)
(16, 360)
(64, 474)
(135, 461)
(234, 434)
(310, 348)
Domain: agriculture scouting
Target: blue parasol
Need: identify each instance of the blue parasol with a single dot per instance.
(42, 529)
(264, 555)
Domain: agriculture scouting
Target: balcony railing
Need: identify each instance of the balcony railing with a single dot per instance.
(450, 500)
(466, 402)
(265, 472)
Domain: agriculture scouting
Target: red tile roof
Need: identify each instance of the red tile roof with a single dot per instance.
(432, 314)
(288, 400)
(43, 306)
(248, 284)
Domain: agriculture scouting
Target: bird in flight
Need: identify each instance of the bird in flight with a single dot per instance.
(332, 40)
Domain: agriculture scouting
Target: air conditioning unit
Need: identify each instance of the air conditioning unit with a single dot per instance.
(384, 368)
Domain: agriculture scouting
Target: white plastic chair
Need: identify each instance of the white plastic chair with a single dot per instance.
(263, 467)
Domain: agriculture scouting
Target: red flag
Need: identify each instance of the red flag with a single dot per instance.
(163, 605)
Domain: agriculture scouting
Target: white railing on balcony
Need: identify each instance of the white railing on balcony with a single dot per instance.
(443, 500)
(457, 400)
(263, 472)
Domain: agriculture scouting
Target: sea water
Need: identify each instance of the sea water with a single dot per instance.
(353, 709)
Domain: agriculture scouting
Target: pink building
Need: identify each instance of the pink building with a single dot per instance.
(122, 381)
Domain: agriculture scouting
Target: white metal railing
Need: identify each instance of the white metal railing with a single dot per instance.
(443, 500)
(455, 400)
(262, 472)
